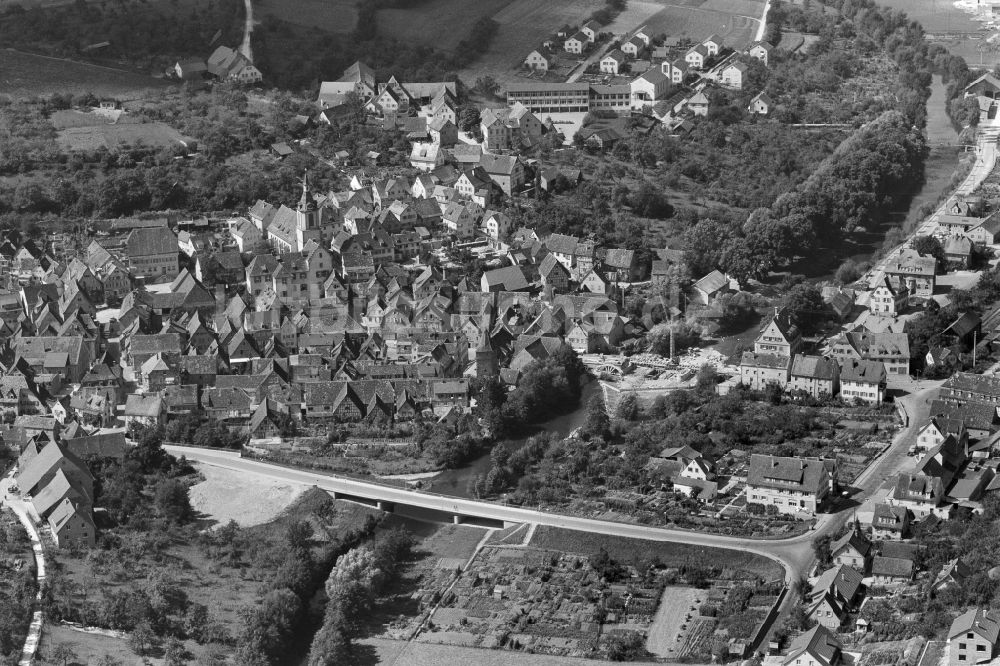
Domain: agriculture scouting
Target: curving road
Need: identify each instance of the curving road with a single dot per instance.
(794, 554)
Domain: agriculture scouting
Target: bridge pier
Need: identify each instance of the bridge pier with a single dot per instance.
(382, 505)
(456, 519)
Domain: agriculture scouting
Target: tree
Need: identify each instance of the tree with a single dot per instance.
(172, 502)
(685, 335)
(141, 638)
(931, 246)
(806, 309)
(63, 653)
(175, 653)
(487, 85)
(468, 117)
(628, 407)
(331, 646)
(597, 423)
(848, 272)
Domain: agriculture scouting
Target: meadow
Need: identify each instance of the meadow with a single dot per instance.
(28, 75)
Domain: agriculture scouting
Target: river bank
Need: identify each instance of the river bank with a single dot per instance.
(459, 482)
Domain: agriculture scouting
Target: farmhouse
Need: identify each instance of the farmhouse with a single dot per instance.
(229, 64)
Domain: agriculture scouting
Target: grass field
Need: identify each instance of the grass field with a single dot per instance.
(670, 554)
(27, 75)
(89, 648)
(336, 16)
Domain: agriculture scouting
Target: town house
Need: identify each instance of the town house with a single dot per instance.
(792, 485)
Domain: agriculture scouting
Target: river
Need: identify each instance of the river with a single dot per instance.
(458, 482)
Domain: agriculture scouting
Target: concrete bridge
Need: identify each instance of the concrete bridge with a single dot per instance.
(794, 554)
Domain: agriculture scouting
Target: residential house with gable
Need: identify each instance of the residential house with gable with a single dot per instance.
(792, 485)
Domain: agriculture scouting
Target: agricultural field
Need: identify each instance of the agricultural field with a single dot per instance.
(523, 26)
(696, 23)
(113, 136)
(438, 23)
(28, 75)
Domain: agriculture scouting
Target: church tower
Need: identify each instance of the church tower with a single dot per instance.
(487, 364)
(307, 216)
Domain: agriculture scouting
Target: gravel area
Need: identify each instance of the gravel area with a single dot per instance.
(247, 498)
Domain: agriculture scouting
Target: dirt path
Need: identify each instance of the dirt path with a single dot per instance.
(245, 48)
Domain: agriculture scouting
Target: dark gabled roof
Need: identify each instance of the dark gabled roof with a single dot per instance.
(820, 643)
(149, 241)
(802, 474)
(814, 367)
(893, 567)
(858, 370)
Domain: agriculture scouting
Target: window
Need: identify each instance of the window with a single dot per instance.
(980, 648)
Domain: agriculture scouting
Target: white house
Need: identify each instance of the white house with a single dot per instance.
(697, 56)
(734, 75)
(536, 60)
(761, 51)
(612, 62)
(760, 105)
(713, 45)
(632, 46)
(576, 43)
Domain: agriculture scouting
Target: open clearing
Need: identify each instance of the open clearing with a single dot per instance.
(27, 75)
(89, 647)
(249, 499)
(665, 632)
(671, 554)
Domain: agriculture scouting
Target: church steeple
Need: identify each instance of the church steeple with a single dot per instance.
(307, 202)
(487, 364)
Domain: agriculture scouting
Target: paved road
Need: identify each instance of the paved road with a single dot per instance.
(35, 630)
(794, 554)
(986, 159)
